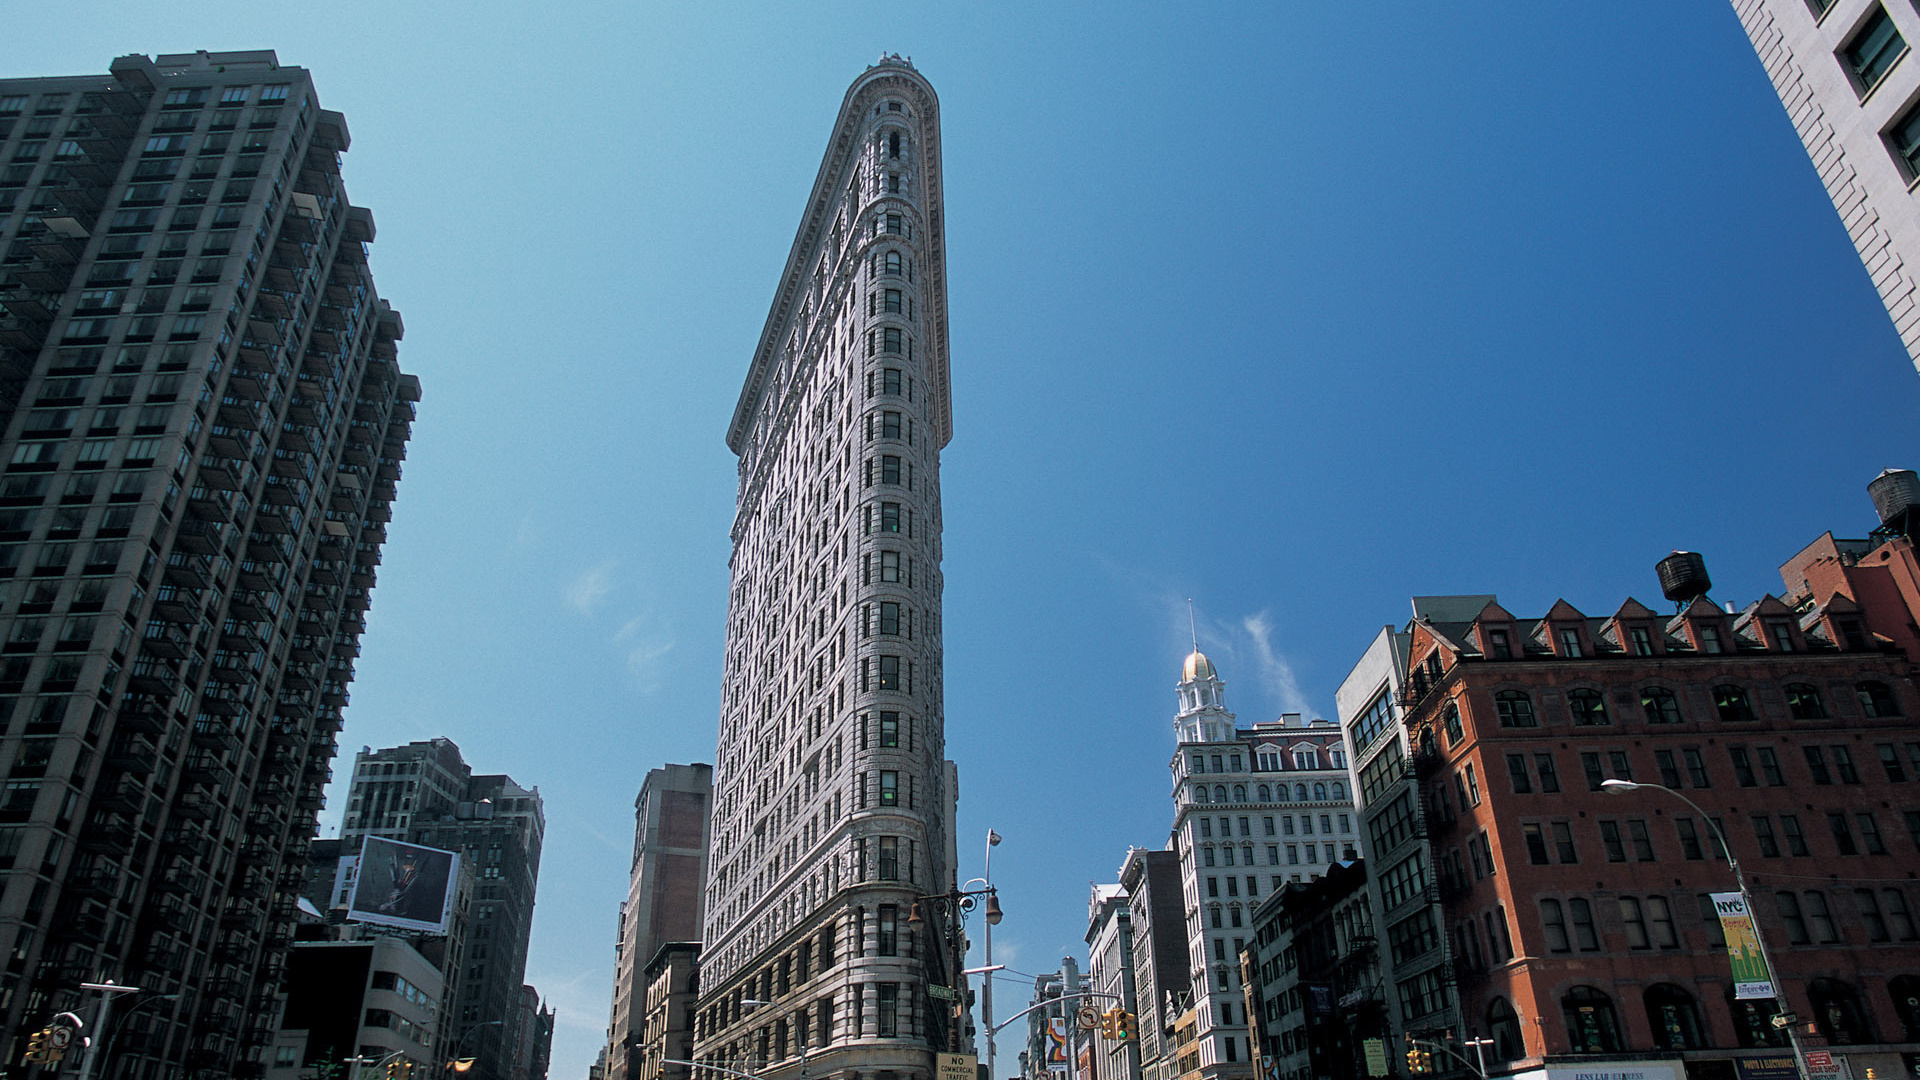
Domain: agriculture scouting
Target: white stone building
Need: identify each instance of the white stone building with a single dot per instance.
(1843, 72)
(1253, 809)
(833, 798)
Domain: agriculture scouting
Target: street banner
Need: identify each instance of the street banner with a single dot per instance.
(1057, 1044)
(405, 886)
(1751, 980)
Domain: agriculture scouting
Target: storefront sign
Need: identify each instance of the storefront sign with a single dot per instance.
(1609, 1070)
(1769, 1067)
(1751, 980)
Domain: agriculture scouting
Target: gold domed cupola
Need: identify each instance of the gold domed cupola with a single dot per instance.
(1197, 667)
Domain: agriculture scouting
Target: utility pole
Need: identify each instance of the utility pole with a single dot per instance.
(1070, 982)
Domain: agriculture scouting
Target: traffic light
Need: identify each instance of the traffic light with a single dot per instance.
(393, 1070)
(1426, 1061)
(37, 1049)
(1109, 1023)
(1125, 1024)
(1419, 1062)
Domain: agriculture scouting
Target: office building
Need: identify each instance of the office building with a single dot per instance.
(1574, 910)
(532, 1036)
(425, 793)
(1052, 1033)
(373, 995)
(1853, 96)
(1312, 976)
(203, 429)
(666, 882)
(833, 800)
(1157, 916)
(1254, 809)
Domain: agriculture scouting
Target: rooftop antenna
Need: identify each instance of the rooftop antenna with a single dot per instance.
(1191, 627)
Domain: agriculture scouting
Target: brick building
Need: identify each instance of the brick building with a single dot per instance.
(1575, 921)
(666, 881)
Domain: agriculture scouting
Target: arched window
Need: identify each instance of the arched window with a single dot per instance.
(1659, 705)
(892, 263)
(1803, 702)
(1339, 790)
(893, 145)
(1504, 1028)
(1515, 709)
(1280, 792)
(1839, 1013)
(1905, 991)
(1589, 709)
(1299, 793)
(1876, 699)
(1731, 703)
(1239, 793)
(1674, 1018)
(1319, 792)
(1753, 1021)
(1199, 793)
(1220, 793)
(1266, 793)
(1592, 1025)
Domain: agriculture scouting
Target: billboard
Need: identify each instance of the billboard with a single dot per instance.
(405, 886)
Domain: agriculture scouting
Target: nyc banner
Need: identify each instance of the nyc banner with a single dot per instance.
(1751, 980)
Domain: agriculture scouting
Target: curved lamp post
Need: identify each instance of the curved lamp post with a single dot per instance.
(1784, 1018)
(462, 1064)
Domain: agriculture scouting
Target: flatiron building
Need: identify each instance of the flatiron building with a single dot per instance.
(833, 799)
(201, 427)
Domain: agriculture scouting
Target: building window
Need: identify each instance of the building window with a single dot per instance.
(1515, 709)
(1642, 641)
(886, 1008)
(1585, 935)
(1517, 776)
(1873, 51)
(1549, 777)
(1803, 702)
(889, 858)
(1536, 843)
(1876, 699)
(1570, 642)
(1590, 1021)
(1589, 709)
(1563, 842)
(1731, 703)
(888, 935)
(1660, 705)
(1903, 140)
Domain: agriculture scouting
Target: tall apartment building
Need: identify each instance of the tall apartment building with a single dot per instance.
(833, 799)
(1571, 924)
(203, 427)
(666, 882)
(1253, 810)
(424, 793)
(1841, 69)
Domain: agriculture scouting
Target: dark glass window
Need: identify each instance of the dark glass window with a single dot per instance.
(1873, 50)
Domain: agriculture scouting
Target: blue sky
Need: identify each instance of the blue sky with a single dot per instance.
(1297, 310)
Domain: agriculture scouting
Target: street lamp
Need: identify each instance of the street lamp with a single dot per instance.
(986, 978)
(462, 1064)
(1784, 1020)
(954, 907)
(102, 1043)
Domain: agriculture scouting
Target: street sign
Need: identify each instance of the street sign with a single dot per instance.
(1821, 1061)
(944, 993)
(60, 1037)
(1376, 1051)
(1088, 1017)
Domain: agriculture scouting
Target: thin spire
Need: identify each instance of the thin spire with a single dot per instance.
(1191, 628)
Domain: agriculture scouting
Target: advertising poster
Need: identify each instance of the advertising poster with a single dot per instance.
(1751, 979)
(404, 886)
(1057, 1044)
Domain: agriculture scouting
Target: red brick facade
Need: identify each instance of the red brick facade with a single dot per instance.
(1576, 917)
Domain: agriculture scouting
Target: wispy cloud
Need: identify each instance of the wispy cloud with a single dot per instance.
(579, 999)
(647, 642)
(1271, 667)
(589, 590)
